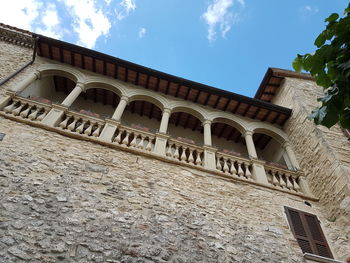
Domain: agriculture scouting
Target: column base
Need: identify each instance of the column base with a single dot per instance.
(108, 130)
(161, 141)
(55, 115)
(209, 157)
(258, 172)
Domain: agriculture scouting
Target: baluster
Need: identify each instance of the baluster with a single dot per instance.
(233, 168)
(248, 174)
(176, 153)
(97, 132)
(88, 131)
(240, 170)
(71, 126)
(296, 186)
(275, 180)
(24, 114)
(9, 108)
(34, 114)
(282, 182)
(80, 127)
(198, 159)
(18, 109)
(42, 115)
(126, 139)
(141, 142)
(218, 164)
(64, 123)
(169, 151)
(225, 167)
(149, 145)
(183, 155)
(190, 157)
(118, 137)
(133, 141)
(289, 184)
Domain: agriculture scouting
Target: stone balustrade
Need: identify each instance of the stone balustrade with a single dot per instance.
(72, 122)
(134, 138)
(184, 152)
(283, 179)
(27, 109)
(79, 123)
(234, 166)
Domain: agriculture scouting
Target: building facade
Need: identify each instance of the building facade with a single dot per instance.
(103, 160)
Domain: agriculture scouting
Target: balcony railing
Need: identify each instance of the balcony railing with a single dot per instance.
(176, 150)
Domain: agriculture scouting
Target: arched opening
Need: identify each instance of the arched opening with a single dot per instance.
(142, 115)
(228, 139)
(96, 102)
(186, 127)
(270, 150)
(49, 89)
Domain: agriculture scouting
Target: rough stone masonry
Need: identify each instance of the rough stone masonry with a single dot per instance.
(66, 200)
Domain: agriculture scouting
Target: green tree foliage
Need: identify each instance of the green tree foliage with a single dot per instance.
(330, 66)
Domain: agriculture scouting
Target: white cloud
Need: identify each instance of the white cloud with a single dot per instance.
(20, 13)
(219, 17)
(86, 20)
(126, 6)
(308, 10)
(89, 22)
(142, 32)
(51, 23)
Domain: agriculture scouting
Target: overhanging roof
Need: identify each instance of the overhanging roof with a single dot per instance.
(159, 81)
(272, 81)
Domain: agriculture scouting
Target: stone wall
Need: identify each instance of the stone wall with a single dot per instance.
(324, 154)
(66, 200)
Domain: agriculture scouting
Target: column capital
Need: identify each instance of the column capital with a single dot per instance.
(124, 98)
(166, 110)
(80, 85)
(286, 144)
(206, 122)
(37, 74)
(247, 133)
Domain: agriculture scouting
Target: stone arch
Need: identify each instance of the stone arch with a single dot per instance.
(145, 95)
(190, 109)
(276, 133)
(98, 84)
(230, 120)
(61, 70)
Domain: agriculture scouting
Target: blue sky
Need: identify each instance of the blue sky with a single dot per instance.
(228, 44)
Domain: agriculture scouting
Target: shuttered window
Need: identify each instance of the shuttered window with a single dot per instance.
(307, 231)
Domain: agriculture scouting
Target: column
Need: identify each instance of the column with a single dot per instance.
(120, 108)
(248, 135)
(26, 82)
(73, 95)
(165, 120)
(161, 137)
(288, 148)
(55, 114)
(207, 132)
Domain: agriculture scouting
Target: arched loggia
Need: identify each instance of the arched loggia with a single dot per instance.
(227, 137)
(50, 88)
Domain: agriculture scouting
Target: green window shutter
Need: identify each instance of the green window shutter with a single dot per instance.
(308, 233)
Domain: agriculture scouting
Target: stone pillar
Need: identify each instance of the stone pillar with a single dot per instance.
(117, 115)
(73, 95)
(304, 186)
(160, 146)
(209, 157)
(165, 120)
(26, 82)
(258, 171)
(109, 130)
(55, 115)
(248, 135)
(287, 147)
(207, 132)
